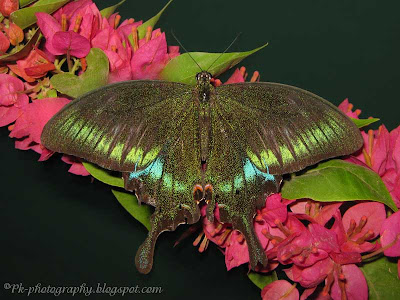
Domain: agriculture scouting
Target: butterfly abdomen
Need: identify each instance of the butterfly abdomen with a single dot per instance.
(204, 130)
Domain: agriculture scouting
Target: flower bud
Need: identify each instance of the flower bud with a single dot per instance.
(8, 6)
(14, 33)
(4, 43)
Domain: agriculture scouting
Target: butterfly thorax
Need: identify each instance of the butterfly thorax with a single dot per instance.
(204, 89)
(204, 86)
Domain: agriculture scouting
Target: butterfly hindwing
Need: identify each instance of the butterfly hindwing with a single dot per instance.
(169, 183)
(239, 187)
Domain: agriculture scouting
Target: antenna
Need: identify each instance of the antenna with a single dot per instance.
(180, 44)
(224, 51)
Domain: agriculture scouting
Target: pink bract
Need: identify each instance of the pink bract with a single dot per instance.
(279, 290)
(390, 232)
(236, 252)
(353, 284)
(34, 66)
(11, 100)
(374, 215)
(4, 43)
(48, 26)
(30, 124)
(151, 57)
(77, 167)
(72, 42)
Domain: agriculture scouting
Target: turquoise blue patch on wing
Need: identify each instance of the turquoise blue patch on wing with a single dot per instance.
(251, 171)
(154, 170)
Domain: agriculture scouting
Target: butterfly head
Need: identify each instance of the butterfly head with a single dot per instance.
(203, 77)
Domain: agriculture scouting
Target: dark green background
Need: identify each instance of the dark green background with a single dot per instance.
(61, 229)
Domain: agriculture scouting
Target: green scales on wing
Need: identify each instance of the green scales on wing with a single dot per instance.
(177, 145)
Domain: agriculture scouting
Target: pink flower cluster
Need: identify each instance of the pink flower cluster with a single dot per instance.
(69, 34)
(319, 244)
(381, 153)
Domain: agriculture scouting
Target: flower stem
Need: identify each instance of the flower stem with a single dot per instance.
(69, 62)
(75, 67)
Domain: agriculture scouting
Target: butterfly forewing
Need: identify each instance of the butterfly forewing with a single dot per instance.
(284, 129)
(123, 126)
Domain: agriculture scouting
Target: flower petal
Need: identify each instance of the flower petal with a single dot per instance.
(374, 213)
(280, 290)
(355, 285)
(77, 45)
(390, 231)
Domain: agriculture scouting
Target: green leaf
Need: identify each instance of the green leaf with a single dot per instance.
(25, 17)
(96, 75)
(261, 280)
(338, 180)
(183, 69)
(23, 52)
(140, 212)
(382, 279)
(23, 3)
(364, 122)
(151, 22)
(103, 175)
(108, 11)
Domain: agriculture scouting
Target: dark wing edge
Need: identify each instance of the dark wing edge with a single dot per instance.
(285, 128)
(121, 126)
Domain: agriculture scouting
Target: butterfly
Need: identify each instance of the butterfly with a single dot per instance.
(178, 146)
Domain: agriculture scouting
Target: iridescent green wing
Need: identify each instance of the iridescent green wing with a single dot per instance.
(148, 131)
(120, 127)
(263, 130)
(238, 186)
(168, 184)
(284, 129)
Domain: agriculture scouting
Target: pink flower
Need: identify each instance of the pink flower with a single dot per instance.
(10, 90)
(59, 42)
(8, 6)
(381, 153)
(236, 252)
(151, 57)
(65, 42)
(390, 233)
(347, 108)
(4, 43)
(77, 167)
(11, 98)
(349, 284)
(118, 51)
(275, 209)
(236, 77)
(14, 34)
(29, 125)
(34, 66)
(313, 275)
(48, 26)
(319, 212)
(280, 289)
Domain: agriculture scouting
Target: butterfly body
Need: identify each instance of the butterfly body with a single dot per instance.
(177, 145)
